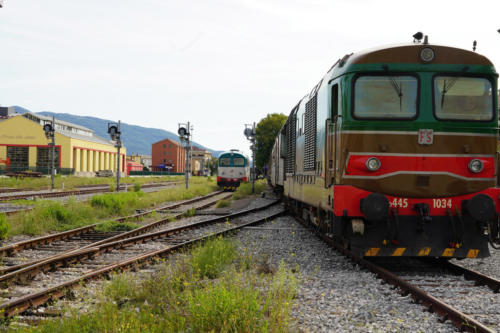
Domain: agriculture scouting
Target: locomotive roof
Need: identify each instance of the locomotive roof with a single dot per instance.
(410, 53)
(233, 152)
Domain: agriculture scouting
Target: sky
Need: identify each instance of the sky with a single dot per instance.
(219, 64)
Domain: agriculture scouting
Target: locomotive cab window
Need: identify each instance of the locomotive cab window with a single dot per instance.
(385, 97)
(225, 161)
(463, 98)
(239, 161)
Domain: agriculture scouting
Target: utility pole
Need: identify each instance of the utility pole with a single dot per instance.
(115, 134)
(184, 136)
(49, 130)
(251, 134)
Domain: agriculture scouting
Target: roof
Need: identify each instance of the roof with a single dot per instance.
(89, 136)
(169, 140)
(58, 121)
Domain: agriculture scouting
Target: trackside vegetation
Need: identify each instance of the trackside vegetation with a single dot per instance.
(245, 189)
(215, 288)
(48, 215)
(71, 181)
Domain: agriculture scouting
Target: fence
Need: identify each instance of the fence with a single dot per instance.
(42, 170)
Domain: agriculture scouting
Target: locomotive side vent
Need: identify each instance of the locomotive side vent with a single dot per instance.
(310, 135)
(291, 128)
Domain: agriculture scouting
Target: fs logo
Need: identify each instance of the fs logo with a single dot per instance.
(425, 136)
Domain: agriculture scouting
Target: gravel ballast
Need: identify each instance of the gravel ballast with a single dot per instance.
(335, 294)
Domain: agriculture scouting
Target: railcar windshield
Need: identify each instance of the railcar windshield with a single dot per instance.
(385, 97)
(225, 161)
(463, 98)
(239, 161)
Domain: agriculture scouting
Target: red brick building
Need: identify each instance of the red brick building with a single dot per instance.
(168, 155)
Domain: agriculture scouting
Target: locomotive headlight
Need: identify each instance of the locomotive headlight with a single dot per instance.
(476, 166)
(427, 54)
(372, 164)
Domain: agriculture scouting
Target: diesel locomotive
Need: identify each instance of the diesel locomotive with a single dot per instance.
(233, 169)
(394, 153)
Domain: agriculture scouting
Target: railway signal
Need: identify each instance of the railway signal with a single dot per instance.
(49, 130)
(114, 132)
(184, 132)
(251, 135)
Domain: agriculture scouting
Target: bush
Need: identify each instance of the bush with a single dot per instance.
(137, 187)
(4, 227)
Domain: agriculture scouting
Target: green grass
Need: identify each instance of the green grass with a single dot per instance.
(56, 216)
(223, 203)
(72, 181)
(245, 189)
(4, 227)
(179, 297)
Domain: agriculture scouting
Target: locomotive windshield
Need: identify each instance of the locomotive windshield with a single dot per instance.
(225, 161)
(463, 98)
(385, 97)
(239, 161)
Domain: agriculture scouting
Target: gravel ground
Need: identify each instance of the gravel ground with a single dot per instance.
(489, 266)
(335, 295)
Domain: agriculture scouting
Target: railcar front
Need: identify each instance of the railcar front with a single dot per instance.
(402, 160)
(233, 169)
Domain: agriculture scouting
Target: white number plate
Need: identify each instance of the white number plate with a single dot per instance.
(398, 202)
(441, 203)
(425, 136)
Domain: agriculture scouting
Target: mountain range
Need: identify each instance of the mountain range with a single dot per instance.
(136, 139)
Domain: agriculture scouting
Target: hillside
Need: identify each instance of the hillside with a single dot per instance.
(137, 139)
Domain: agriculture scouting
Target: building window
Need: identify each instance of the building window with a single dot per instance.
(170, 146)
(164, 145)
(164, 160)
(43, 158)
(169, 153)
(164, 153)
(19, 156)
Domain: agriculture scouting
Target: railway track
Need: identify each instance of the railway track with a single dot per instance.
(80, 191)
(467, 298)
(68, 271)
(20, 255)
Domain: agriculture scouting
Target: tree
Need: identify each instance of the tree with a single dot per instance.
(267, 130)
(212, 165)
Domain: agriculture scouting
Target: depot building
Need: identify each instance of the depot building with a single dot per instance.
(78, 150)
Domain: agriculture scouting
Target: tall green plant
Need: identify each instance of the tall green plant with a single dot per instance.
(4, 227)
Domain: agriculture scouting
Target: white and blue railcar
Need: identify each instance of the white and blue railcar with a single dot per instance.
(233, 169)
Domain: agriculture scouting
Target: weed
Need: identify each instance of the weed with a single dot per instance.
(245, 189)
(4, 227)
(137, 187)
(178, 298)
(223, 203)
(210, 259)
(190, 212)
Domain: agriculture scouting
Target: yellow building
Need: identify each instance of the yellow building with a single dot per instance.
(78, 149)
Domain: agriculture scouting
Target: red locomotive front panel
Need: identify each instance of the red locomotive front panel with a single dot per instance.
(385, 225)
